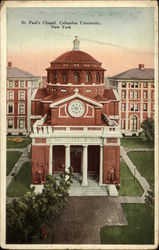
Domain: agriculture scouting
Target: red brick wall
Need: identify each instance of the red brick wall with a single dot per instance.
(58, 159)
(40, 160)
(111, 160)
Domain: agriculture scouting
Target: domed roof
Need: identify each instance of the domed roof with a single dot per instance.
(75, 56)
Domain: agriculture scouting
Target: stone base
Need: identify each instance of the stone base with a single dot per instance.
(38, 188)
(112, 190)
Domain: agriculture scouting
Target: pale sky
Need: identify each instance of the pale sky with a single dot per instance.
(123, 39)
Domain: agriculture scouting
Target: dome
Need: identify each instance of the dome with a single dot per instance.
(75, 56)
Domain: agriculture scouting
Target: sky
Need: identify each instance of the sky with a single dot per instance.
(120, 38)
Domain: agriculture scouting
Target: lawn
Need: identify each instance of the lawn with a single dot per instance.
(21, 183)
(144, 161)
(15, 144)
(128, 187)
(135, 142)
(12, 158)
(140, 229)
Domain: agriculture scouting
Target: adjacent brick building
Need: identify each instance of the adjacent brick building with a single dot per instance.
(136, 90)
(20, 85)
(75, 121)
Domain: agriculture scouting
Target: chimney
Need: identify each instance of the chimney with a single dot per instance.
(9, 64)
(141, 66)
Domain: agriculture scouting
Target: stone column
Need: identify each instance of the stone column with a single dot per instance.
(101, 166)
(67, 158)
(85, 166)
(50, 159)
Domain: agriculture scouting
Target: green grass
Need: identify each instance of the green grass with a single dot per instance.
(12, 158)
(135, 142)
(128, 187)
(23, 144)
(140, 229)
(144, 161)
(21, 183)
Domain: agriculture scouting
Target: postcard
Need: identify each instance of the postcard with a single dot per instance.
(79, 125)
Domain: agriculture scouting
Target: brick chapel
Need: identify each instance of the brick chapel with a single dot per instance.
(75, 121)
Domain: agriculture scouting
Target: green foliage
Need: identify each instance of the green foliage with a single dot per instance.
(148, 130)
(149, 198)
(29, 215)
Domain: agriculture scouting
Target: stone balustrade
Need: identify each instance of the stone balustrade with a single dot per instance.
(51, 130)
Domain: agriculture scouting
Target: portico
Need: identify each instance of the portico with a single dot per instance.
(76, 154)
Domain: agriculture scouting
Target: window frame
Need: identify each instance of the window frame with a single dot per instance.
(19, 95)
(21, 104)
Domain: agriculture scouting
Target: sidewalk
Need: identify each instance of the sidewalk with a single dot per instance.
(23, 158)
(138, 149)
(144, 184)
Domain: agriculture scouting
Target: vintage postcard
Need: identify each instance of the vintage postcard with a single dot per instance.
(79, 125)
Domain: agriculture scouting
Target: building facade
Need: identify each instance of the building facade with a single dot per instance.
(75, 121)
(20, 85)
(136, 90)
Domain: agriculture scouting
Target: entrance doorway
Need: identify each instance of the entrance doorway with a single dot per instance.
(76, 158)
(93, 160)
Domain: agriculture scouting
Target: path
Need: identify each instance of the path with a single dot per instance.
(23, 158)
(143, 182)
(83, 217)
(139, 149)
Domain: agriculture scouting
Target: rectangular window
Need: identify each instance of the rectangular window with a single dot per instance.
(10, 123)
(136, 95)
(123, 94)
(136, 84)
(11, 85)
(123, 84)
(21, 95)
(132, 84)
(123, 106)
(122, 124)
(10, 109)
(145, 84)
(145, 107)
(136, 107)
(22, 84)
(131, 94)
(21, 123)
(21, 109)
(10, 95)
(132, 107)
(145, 94)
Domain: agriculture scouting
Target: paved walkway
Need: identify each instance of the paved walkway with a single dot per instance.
(23, 158)
(139, 149)
(83, 217)
(144, 184)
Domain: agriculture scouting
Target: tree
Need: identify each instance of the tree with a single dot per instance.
(28, 216)
(148, 130)
(149, 198)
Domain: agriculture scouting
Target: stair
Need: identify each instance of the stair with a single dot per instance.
(93, 189)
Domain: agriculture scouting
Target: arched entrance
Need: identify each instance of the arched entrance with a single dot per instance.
(134, 123)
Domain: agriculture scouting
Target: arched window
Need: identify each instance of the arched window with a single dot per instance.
(76, 77)
(65, 77)
(88, 77)
(133, 123)
(97, 78)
